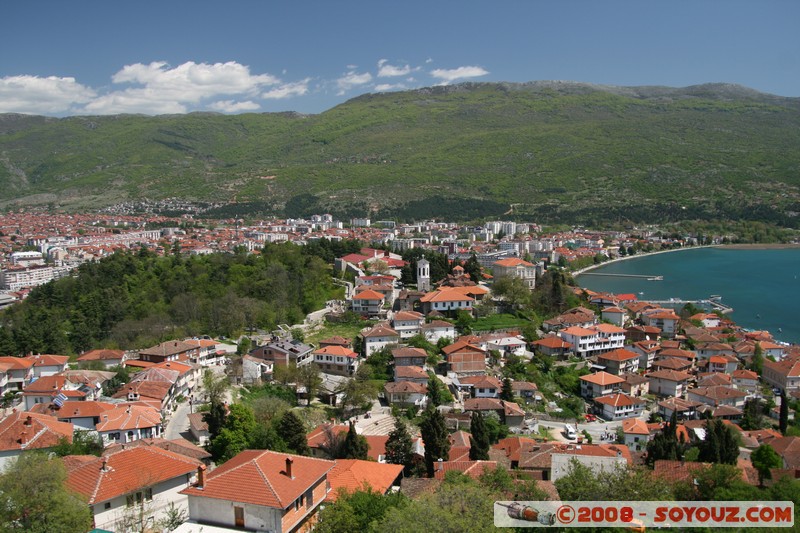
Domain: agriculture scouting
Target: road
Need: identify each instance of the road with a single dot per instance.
(178, 424)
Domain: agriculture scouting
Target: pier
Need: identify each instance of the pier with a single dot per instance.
(648, 277)
(712, 302)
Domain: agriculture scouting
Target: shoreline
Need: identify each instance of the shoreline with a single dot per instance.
(577, 273)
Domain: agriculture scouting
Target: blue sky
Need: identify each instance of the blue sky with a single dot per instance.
(173, 56)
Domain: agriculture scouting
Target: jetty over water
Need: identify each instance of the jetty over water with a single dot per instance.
(648, 277)
(712, 302)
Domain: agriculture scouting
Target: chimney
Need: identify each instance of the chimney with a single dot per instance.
(23, 438)
(201, 476)
(441, 464)
(289, 462)
(104, 468)
(28, 420)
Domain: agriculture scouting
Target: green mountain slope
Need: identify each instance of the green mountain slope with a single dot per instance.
(558, 151)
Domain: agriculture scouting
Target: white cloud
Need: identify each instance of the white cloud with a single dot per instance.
(450, 75)
(37, 95)
(352, 79)
(229, 106)
(384, 87)
(287, 90)
(385, 70)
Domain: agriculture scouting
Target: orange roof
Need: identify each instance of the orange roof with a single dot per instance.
(471, 468)
(446, 296)
(608, 328)
(30, 431)
(48, 360)
(636, 426)
(351, 475)
(603, 378)
(264, 474)
(336, 350)
(616, 400)
(552, 342)
(369, 295)
(620, 354)
(16, 363)
(381, 331)
(577, 331)
(512, 262)
(127, 470)
(101, 355)
(125, 417)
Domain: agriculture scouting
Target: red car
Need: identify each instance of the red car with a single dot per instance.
(590, 417)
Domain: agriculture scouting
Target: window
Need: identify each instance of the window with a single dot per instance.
(107, 505)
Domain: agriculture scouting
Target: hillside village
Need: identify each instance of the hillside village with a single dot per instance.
(593, 384)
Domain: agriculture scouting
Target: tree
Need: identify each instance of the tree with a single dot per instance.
(309, 377)
(293, 433)
(359, 390)
(665, 445)
(479, 439)
(753, 416)
(764, 458)
(783, 418)
(435, 437)
(34, 497)
(355, 445)
(357, 511)
(507, 392)
(236, 434)
(83, 443)
(720, 445)
(434, 390)
(400, 446)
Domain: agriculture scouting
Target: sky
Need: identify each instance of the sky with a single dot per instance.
(92, 57)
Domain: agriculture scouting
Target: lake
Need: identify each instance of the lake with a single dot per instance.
(762, 286)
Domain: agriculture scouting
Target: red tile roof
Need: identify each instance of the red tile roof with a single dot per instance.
(264, 474)
(350, 475)
(31, 431)
(336, 350)
(603, 378)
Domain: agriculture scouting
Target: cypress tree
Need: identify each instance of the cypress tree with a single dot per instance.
(434, 390)
(783, 419)
(507, 392)
(720, 445)
(355, 445)
(479, 440)
(293, 433)
(399, 447)
(435, 437)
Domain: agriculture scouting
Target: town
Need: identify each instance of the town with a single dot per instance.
(447, 354)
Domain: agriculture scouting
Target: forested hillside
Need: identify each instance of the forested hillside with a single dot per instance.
(134, 300)
(557, 152)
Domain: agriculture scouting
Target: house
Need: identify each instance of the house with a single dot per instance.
(709, 349)
(336, 360)
(407, 356)
(550, 461)
(514, 267)
(129, 480)
(22, 431)
(407, 323)
(636, 433)
(19, 371)
(577, 316)
(406, 393)
(684, 409)
(464, 358)
(647, 351)
(320, 437)
(552, 345)
(199, 428)
(336, 340)
(725, 364)
(110, 358)
(379, 337)
(82, 415)
(615, 315)
(186, 380)
(709, 320)
(350, 475)
(526, 390)
(668, 382)
(446, 300)
(600, 384)
(594, 340)
(618, 406)
(207, 352)
(619, 361)
(127, 423)
(635, 385)
(47, 364)
(285, 353)
(414, 374)
(506, 343)
(642, 333)
(719, 395)
(483, 386)
(785, 375)
(672, 363)
(256, 370)
(438, 329)
(169, 351)
(283, 492)
(510, 413)
(158, 394)
(368, 303)
(745, 380)
(664, 319)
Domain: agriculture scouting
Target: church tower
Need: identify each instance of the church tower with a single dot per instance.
(423, 275)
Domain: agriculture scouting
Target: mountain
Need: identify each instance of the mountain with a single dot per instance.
(554, 151)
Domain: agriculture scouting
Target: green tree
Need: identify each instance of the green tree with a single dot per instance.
(435, 386)
(765, 458)
(479, 439)
(435, 437)
(34, 497)
(400, 446)
(665, 445)
(355, 445)
(507, 392)
(83, 443)
(720, 445)
(240, 425)
(292, 431)
(753, 416)
(783, 418)
(309, 378)
(360, 510)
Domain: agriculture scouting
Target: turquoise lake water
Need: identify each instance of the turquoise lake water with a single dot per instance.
(762, 286)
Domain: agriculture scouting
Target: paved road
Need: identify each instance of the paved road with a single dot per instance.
(178, 425)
